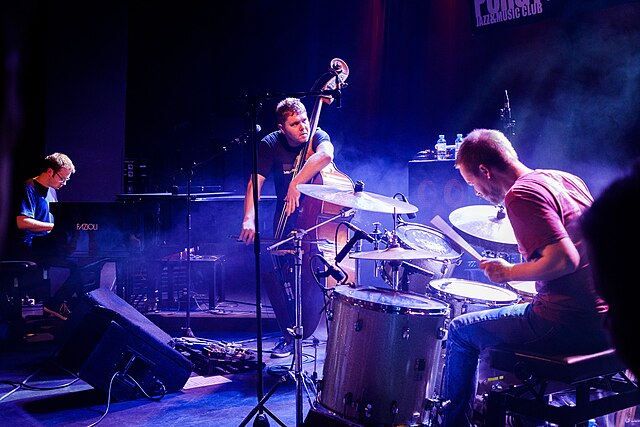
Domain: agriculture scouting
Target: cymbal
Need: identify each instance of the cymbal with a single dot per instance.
(484, 222)
(360, 200)
(392, 253)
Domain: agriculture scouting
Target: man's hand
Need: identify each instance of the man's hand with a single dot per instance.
(292, 199)
(497, 270)
(248, 233)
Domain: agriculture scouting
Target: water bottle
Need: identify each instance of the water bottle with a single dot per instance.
(441, 148)
(458, 143)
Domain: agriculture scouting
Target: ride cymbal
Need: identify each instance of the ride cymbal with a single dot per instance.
(487, 223)
(360, 200)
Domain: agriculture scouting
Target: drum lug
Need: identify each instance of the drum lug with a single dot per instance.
(357, 326)
(405, 333)
(441, 334)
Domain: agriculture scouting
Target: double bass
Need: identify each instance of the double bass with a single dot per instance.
(323, 240)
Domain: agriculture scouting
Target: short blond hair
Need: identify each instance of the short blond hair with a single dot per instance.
(57, 161)
(288, 107)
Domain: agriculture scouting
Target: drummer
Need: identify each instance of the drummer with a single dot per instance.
(565, 316)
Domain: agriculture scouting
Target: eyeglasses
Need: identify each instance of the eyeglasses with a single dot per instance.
(62, 180)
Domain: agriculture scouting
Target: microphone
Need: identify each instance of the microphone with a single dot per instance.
(245, 136)
(507, 108)
(358, 234)
(363, 234)
(332, 271)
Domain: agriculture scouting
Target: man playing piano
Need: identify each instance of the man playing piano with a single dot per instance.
(34, 219)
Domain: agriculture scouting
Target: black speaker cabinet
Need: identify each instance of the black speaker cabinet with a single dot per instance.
(106, 341)
(437, 188)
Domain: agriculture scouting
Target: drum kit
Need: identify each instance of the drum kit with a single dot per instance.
(385, 343)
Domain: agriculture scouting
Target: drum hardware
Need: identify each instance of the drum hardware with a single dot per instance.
(394, 255)
(410, 269)
(444, 256)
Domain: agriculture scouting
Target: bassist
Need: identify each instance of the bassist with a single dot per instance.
(277, 154)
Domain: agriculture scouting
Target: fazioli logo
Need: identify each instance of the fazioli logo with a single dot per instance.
(86, 227)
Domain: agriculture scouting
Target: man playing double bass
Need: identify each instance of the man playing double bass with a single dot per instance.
(277, 154)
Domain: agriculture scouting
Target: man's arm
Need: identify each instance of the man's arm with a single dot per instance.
(556, 260)
(29, 224)
(314, 164)
(248, 232)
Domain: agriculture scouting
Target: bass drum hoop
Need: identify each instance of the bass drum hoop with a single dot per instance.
(390, 301)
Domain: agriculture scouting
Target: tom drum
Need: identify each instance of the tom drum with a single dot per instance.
(467, 296)
(526, 289)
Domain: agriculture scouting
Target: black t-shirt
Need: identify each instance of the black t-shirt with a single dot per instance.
(276, 158)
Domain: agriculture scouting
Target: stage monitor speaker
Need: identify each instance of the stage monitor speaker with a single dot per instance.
(111, 346)
(437, 188)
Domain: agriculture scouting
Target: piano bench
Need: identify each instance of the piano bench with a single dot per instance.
(598, 381)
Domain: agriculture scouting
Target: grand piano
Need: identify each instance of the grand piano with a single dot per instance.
(142, 234)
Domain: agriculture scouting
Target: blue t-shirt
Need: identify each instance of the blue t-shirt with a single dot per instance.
(35, 204)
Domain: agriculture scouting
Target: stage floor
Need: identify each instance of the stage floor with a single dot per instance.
(51, 397)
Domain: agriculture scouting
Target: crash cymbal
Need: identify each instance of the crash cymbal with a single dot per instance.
(360, 200)
(487, 223)
(392, 253)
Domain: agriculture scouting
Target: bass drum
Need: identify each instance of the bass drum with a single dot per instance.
(446, 256)
(383, 353)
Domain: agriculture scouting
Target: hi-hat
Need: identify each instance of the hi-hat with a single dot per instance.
(392, 253)
(360, 200)
(487, 223)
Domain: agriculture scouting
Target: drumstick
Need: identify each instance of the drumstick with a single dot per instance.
(451, 233)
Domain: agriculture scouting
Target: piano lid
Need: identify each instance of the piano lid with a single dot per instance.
(173, 196)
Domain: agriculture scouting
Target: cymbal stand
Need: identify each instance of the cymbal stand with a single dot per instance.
(297, 330)
(395, 264)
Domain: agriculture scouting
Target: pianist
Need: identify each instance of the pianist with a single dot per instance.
(34, 219)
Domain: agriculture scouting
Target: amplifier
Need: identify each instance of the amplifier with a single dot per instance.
(437, 188)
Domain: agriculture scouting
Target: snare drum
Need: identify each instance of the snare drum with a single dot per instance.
(466, 296)
(383, 353)
(446, 256)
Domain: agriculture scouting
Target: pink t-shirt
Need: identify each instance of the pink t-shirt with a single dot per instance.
(544, 206)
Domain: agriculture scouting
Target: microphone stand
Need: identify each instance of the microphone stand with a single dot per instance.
(508, 124)
(186, 330)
